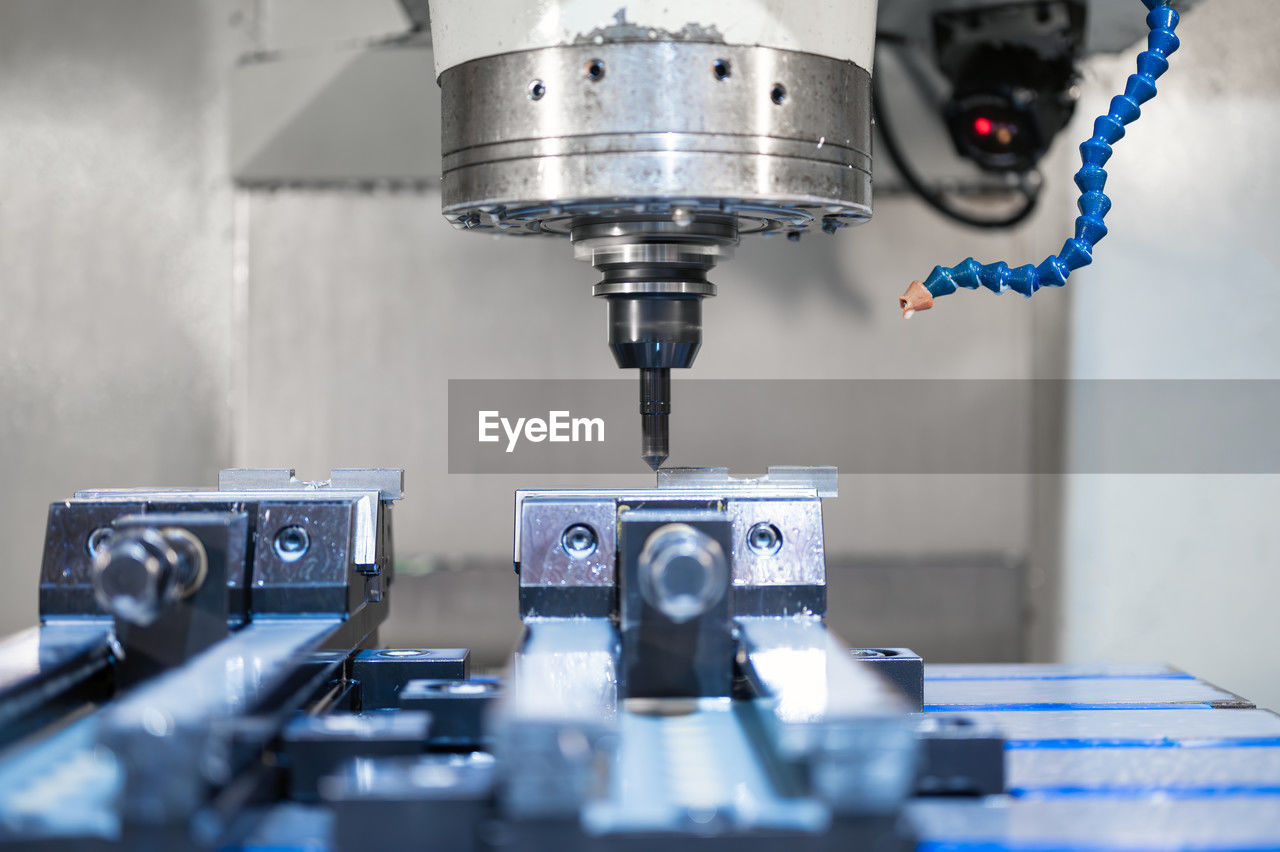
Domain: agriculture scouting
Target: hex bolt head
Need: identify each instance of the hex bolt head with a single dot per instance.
(142, 571)
(683, 572)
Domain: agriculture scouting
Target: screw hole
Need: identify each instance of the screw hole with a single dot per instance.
(292, 543)
(721, 69)
(578, 541)
(536, 90)
(778, 94)
(764, 539)
(595, 70)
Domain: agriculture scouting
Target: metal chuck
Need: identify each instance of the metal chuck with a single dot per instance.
(655, 278)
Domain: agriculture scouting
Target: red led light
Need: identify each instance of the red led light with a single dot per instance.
(982, 126)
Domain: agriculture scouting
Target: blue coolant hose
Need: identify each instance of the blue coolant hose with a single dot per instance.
(1092, 179)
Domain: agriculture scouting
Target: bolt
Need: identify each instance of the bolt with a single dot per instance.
(578, 541)
(764, 539)
(683, 572)
(143, 571)
(292, 543)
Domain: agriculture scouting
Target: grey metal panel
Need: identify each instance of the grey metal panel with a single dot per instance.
(116, 245)
(1183, 568)
(342, 116)
(949, 609)
(298, 25)
(468, 603)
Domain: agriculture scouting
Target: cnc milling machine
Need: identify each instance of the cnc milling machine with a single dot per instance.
(207, 672)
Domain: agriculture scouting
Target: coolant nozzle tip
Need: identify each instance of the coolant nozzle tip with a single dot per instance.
(917, 298)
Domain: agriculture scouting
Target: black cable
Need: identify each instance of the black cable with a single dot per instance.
(935, 199)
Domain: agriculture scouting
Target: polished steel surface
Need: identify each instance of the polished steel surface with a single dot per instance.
(365, 491)
(832, 713)
(799, 558)
(388, 482)
(533, 139)
(226, 679)
(541, 553)
(824, 480)
(174, 736)
(693, 765)
(554, 727)
(542, 517)
(158, 746)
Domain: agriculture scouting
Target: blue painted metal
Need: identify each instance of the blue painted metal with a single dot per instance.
(1134, 772)
(1074, 694)
(1040, 707)
(1164, 742)
(1092, 178)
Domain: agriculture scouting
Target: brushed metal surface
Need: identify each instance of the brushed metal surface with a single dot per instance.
(534, 137)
